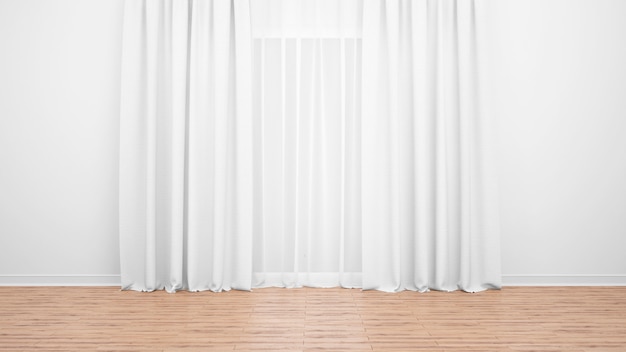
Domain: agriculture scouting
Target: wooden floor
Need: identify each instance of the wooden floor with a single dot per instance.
(513, 319)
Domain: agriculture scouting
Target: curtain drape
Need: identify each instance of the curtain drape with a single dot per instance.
(186, 146)
(304, 143)
(429, 195)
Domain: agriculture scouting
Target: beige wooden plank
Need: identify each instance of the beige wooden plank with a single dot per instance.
(513, 319)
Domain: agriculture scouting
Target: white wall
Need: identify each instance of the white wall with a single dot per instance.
(59, 103)
(557, 70)
(557, 81)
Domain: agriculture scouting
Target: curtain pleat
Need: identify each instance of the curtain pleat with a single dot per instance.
(304, 143)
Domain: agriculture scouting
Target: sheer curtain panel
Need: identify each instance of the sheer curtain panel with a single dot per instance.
(305, 143)
(306, 108)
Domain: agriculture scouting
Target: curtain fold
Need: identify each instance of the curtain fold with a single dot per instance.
(304, 143)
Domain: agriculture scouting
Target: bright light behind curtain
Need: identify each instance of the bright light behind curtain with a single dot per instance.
(304, 142)
(307, 153)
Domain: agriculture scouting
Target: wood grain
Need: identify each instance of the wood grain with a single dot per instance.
(513, 319)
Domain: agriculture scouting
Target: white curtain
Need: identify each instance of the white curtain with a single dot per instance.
(429, 215)
(186, 146)
(306, 109)
(304, 143)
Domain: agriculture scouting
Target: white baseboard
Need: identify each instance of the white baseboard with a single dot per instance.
(563, 280)
(507, 280)
(60, 280)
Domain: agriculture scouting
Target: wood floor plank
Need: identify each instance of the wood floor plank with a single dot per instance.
(582, 319)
